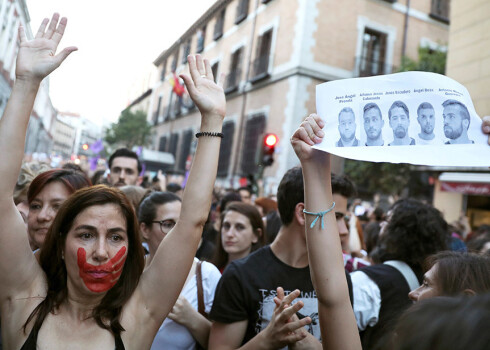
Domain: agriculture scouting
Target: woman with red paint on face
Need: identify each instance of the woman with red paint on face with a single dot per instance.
(89, 291)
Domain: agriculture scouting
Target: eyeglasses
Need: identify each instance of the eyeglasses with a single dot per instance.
(165, 225)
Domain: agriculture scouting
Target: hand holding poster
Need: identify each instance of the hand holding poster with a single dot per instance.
(412, 117)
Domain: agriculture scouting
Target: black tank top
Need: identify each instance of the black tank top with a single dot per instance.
(31, 341)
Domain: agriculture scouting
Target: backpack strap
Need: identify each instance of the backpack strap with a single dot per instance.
(406, 271)
(200, 294)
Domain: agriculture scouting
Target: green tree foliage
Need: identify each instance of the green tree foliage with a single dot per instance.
(429, 61)
(132, 129)
(384, 178)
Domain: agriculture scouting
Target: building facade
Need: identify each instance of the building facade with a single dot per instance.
(274, 53)
(39, 137)
(467, 191)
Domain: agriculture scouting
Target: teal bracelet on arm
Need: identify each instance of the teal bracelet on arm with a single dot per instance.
(319, 215)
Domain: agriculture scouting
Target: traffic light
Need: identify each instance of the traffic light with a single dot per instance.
(85, 146)
(268, 147)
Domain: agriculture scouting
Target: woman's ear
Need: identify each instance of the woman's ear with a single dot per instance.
(469, 292)
(257, 235)
(145, 231)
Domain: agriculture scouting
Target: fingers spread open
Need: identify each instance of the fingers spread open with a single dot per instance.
(189, 83)
(292, 326)
(42, 28)
(200, 65)
(64, 54)
(193, 68)
(22, 34)
(209, 71)
(60, 30)
(280, 293)
(52, 26)
(221, 80)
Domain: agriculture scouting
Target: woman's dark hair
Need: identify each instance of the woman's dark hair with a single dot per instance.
(414, 231)
(227, 198)
(107, 313)
(148, 207)
(443, 323)
(72, 179)
(253, 215)
(457, 271)
(371, 235)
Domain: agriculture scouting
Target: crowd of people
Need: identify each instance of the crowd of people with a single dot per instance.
(104, 263)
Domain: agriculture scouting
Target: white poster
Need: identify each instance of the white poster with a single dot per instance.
(412, 117)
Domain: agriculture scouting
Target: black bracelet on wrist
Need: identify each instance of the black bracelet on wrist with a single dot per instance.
(210, 134)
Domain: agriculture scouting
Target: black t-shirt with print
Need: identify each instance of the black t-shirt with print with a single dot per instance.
(248, 286)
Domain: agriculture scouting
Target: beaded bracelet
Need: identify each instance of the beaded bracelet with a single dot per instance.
(211, 134)
(319, 215)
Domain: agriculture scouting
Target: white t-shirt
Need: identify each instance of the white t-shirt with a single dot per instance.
(172, 335)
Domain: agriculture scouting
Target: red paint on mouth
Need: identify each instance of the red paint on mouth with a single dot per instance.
(101, 278)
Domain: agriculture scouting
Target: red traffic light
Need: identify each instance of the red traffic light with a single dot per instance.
(85, 146)
(270, 140)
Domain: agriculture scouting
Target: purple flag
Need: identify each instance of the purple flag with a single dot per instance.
(93, 163)
(97, 146)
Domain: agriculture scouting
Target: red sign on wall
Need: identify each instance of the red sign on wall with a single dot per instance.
(477, 189)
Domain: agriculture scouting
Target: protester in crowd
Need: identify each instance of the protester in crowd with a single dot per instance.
(125, 168)
(88, 288)
(73, 166)
(452, 274)
(245, 193)
(175, 188)
(480, 244)
(28, 172)
(46, 194)
(98, 177)
(207, 248)
(444, 323)
(272, 222)
(371, 236)
(242, 232)
(337, 323)
(135, 194)
(184, 326)
(413, 232)
(159, 182)
(243, 311)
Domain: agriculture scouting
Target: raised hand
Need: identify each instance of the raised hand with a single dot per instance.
(308, 134)
(37, 58)
(208, 96)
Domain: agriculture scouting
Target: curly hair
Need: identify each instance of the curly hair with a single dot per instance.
(414, 231)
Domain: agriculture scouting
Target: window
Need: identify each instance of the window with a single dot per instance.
(372, 60)
(253, 130)
(155, 116)
(233, 78)
(185, 148)
(261, 62)
(214, 69)
(186, 51)
(218, 27)
(174, 140)
(164, 71)
(440, 10)
(162, 145)
(177, 106)
(201, 36)
(241, 11)
(225, 149)
(174, 61)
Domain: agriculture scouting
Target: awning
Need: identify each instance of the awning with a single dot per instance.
(467, 183)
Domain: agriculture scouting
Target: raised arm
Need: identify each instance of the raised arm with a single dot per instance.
(163, 280)
(337, 321)
(36, 59)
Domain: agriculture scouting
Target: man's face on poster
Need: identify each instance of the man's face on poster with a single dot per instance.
(426, 120)
(399, 122)
(373, 123)
(453, 121)
(347, 126)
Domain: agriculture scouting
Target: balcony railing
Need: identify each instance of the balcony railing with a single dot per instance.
(260, 68)
(233, 80)
(368, 67)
